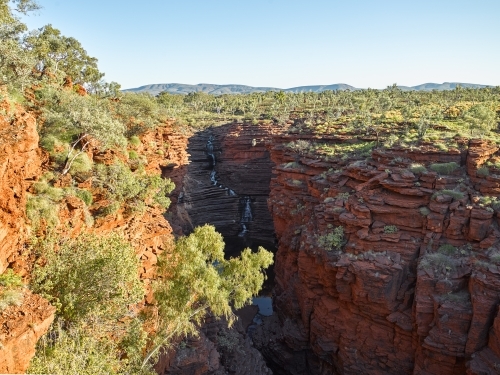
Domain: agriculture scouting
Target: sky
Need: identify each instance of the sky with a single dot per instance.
(284, 43)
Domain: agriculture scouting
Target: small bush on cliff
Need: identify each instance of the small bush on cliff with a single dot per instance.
(483, 171)
(424, 211)
(389, 229)
(417, 168)
(88, 276)
(332, 240)
(453, 193)
(40, 209)
(10, 289)
(132, 189)
(444, 168)
(447, 249)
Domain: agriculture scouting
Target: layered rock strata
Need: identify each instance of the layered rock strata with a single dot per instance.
(411, 287)
(226, 184)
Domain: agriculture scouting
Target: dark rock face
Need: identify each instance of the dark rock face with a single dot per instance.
(226, 184)
(218, 350)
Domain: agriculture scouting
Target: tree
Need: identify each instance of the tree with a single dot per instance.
(63, 56)
(481, 118)
(195, 278)
(83, 117)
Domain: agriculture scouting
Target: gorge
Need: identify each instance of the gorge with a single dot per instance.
(412, 289)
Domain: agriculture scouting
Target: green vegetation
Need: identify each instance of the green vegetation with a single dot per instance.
(417, 168)
(389, 229)
(88, 276)
(11, 293)
(453, 193)
(424, 211)
(332, 240)
(447, 249)
(444, 168)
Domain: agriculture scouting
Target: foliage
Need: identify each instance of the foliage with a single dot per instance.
(10, 289)
(424, 211)
(133, 189)
(41, 209)
(84, 195)
(389, 229)
(447, 249)
(76, 350)
(195, 277)
(483, 171)
(417, 168)
(332, 240)
(444, 168)
(452, 193)
(88, 277)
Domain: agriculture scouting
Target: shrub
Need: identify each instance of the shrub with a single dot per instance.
(444, 168)
(10, 291)
(452, 193)
(42, 188)
(133, 189)
(438, 261)
(81, 164)
(447, 249)
(10, 279)
(424, 211)
(40, 208)
(417, 168)
(483, 171)
(88, 276)
(332, 240)
(77, 351)
(134, 141)
(84, 195)
(133, 155)
(389, 229)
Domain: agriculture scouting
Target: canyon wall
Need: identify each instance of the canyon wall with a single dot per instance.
(413, 288)
(20, 164)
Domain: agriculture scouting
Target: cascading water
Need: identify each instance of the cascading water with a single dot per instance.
(264, 303)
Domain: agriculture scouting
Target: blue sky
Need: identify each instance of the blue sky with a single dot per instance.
(284, 43)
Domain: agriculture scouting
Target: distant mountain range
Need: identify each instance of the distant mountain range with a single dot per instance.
(179, 88)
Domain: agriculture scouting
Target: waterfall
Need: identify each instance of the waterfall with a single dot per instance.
(245, 202)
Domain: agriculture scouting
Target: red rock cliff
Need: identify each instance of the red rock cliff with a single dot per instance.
(414, 288)
(20, 163)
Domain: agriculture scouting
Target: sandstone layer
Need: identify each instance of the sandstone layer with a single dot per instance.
(413, 288)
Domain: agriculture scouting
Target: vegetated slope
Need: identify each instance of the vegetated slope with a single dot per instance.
(214, 89)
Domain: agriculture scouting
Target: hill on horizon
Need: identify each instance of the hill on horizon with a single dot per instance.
(214, 89)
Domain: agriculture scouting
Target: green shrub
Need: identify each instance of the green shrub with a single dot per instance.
(11, 293)
(444, 168)
(81, 164)
(132, 189)
(84, 195)
(88, 276)
(42, 188)
(389, 229)
(40, 208)
(133, 155)
(424, 211)
(452, 193)
(447, 249)
(134, 141)
(417, 168)
(77, 350)
(483, 171)
(10, 279)
(332, 240)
